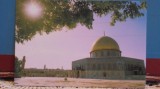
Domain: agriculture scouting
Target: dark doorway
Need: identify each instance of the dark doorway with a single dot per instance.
(104, 74)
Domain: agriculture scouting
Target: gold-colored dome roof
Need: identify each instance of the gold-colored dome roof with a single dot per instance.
(105, 42)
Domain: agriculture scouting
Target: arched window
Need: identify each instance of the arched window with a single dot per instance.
(128, 67)
(98, 66)
(102, 54)
(108, 54)
(95, 53)
(94, 67)
(104, 66)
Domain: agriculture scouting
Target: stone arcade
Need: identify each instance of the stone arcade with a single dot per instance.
(106, 62)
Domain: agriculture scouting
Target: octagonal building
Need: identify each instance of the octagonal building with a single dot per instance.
(106, 62)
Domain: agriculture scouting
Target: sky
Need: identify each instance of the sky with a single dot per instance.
(59, 49)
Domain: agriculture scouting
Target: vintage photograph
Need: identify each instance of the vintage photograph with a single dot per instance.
(80, 43)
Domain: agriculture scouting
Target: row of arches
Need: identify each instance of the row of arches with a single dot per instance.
(105, 53)
(133, 69)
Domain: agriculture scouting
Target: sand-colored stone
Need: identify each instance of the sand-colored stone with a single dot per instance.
(78, 82)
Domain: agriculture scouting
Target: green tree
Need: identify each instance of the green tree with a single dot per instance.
(18, 67)
(68, 13)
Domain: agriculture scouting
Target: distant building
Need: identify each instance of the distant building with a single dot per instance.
(106, 62)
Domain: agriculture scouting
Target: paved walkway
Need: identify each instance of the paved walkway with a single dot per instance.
(72, 82)
(78, 82)
(9, 85)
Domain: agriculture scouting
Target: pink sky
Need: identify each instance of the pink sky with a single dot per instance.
(59, 49)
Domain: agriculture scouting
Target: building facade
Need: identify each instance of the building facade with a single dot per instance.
(106, 62)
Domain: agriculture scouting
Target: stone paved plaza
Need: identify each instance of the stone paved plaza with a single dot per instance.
(71, 83)
(9, 85)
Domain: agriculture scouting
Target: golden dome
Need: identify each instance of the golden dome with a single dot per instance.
(105, 42)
